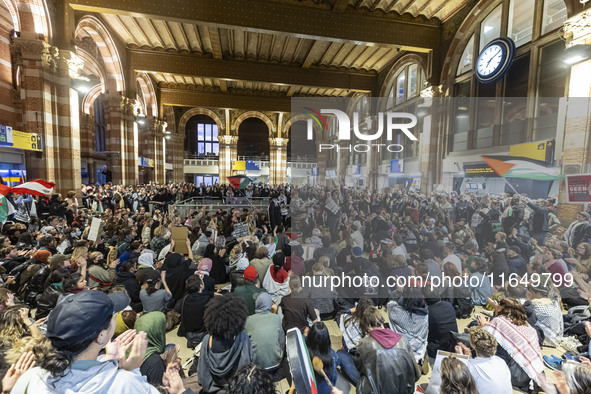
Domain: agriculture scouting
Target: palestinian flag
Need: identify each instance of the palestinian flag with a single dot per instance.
(239, 181)
(522, 167)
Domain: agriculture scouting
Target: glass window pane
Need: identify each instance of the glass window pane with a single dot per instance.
(491, 27)
(207, 132)
(216, 180)
(467, 59)
(200, 132)
(550, 87)
(199, 179)
(215, 132)
(521, 20)
(485, 116)
(208, 148)
(554, 15)
(390, 101)
(201, 148)
(412, 80)
(514, 129)
(461, 124)
(400, 87)
(216, 149)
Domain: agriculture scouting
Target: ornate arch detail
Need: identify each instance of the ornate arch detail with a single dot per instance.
(200, 111)
(458, 43)
(168, 112)
(92, 66)
(148, 93)
(91, 96)
(258, 115)
(302, 117)
(390, 77)
(94, 28)
(34, 17)
(12, 8)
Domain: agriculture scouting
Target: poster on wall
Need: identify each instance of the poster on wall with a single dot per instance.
(578, 188)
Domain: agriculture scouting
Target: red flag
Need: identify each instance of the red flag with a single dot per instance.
(4, 190)
(38, 187)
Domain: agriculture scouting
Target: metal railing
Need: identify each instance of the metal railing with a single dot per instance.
(211, 204)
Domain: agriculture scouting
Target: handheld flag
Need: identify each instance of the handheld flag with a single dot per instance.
(239, 181)
(522, 167)
(38, 187)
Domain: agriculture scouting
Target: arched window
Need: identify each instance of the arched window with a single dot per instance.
(406, 85)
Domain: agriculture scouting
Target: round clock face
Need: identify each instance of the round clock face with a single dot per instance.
(495, 59)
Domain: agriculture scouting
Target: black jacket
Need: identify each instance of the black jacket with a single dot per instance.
(36, 286)
(539, 220)
(442, 320)
(131, 284)
(48, 300)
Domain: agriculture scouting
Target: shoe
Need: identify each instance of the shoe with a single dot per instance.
(569, 357)
(555, 358)
(552, 363)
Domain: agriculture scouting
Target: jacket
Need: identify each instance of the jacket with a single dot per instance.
(539, 222)
(215, 368)
(132, 285)
(48, 300)
(36, 286)
(384, 369)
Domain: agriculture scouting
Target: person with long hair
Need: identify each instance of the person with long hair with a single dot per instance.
(409, 316)
(154, 298)
(251, 379)
(226, 348)
(318, 343)
(456, 378)
(277, 279)
(16, 324)
(520, 347)
(576, 378)
(583, 253)
(6, 298)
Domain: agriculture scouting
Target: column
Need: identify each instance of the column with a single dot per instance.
(576, 150)
(278, 161)
(228, 153)
(431, 139)
(151, 143)
(175, 155)
(49, 108)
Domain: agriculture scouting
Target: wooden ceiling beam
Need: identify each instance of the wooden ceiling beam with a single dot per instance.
(187, 65)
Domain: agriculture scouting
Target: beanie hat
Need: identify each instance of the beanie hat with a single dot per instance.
(250, 273)
(42, 255)
(357, 251)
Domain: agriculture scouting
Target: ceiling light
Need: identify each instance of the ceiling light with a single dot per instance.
(576, 54)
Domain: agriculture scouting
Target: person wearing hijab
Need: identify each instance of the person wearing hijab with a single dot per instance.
(219, 269)
(266, 334)
(154, 325)
(145, 265)
(203, 270)
(177, 272)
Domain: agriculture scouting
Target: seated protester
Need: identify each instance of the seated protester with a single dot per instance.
(126, 277)
(199, 246)
(154, 363)
(296, 308)
(576, 377)
(266, 334)
(547, 308)
(398, 266)
(318, 344)
(6, 298)
(456, 377)
(36, 284)
(160, 240)
(251, 379)
(297, 261)
(384, 358)
(491, 374)
(326, 250)
(145, 266)
(556, 266)
(249, 290)
(583, 252)
(11, 257)
(261, 263)
(15, 324)
(277, 279)
(192, 309)
(517, 264)
(40, 260)
(519, 343)
(219, 258)
(48, 300)
(323, 298)
(73, 283)
(433, 266)
(99, 274)
(442, 320)
(78, 330)
(269, 243)
(132, 252)
(124, 320)
(203, 269)
(457, 291)
(56, 262)
(178, 270)
(226, 347)
(154, 298)
(409, 316)
(479, 282)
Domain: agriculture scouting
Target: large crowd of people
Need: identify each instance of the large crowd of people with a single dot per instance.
(87, 308)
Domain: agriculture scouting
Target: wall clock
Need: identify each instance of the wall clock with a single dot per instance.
(495, 59)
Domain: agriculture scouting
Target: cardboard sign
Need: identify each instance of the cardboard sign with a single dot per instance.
(241, 230)
(96, 228)
(179, 235)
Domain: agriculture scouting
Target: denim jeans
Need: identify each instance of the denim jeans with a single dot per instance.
(348, 365)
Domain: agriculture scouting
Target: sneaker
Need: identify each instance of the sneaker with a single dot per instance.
(552, 363)
(557, 359)
(569, 357)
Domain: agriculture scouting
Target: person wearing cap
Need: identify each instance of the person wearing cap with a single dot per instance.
(538, 222)
(579, 230)
(78, 329)
(266, 334)
(249, 290)
(516, 261)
